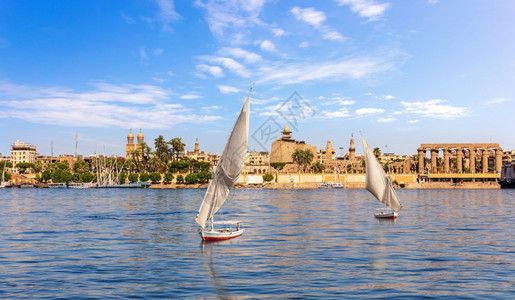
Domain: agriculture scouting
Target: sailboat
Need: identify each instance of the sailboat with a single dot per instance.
(379, 185)
(225, 175)
(3, 183)
(334, 184)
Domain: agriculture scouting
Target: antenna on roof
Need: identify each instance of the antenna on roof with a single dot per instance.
(76, 143)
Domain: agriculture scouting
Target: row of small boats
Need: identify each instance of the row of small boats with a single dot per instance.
(231, 165)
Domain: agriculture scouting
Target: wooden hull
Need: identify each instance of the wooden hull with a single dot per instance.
(220, 234)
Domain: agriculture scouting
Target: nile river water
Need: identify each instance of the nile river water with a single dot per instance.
(143, 243)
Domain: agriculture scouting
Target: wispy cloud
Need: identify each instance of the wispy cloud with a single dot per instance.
(106, 105)
(366, 8)
(228, 63)
(167, 13)
(386, 120)
(239, 53)
(215, 71)
(267, 46)
(231, 15)
(190, 96)
(435, 109)
(330, 70)
(225, 89)
(341, 113)
(316, 19)
(497, 101)
(367, 111)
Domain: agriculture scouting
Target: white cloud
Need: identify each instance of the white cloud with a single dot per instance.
(366, 8)
(249, 57)
(159, 79)
(215, 71)
(334, 70)
(304, 45)
(308, 15)
(435, 109)
(342, 113)
(497, 101)
(267, 46)
(231, 15)
(386, 120)
(412, 121)
(190, 96)
(167, 13)
(388, 97)
(158, 51)
(229, 64)
(278, 32)
(316, 19)
(106, 105)
(369, 111)
(225, 89)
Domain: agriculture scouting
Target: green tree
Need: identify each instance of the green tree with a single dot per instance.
(155, 177)
(268, 177)
(203, 176)
(87, 177)
(179, 165)
(144, 177)
(7, 176)
(377, 152)
(162, 150)
(76, 177)
(46, 175)
(122, 177)
(61, 175)
(80, 166)
(180, 179)
(191, 178)
(24, 166)
(38, 166)
(302, 158)
(277, 165)
(318, 167)
(168, 177)
(133, 177)
(177, 146)
(6, 164)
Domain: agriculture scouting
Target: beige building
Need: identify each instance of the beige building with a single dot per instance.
(283, 148)
(198, 155)
(257, 163)
(130, 147)
(22, 153)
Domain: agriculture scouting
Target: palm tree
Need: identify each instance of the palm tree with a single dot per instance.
(177, 146)
(297, 157)
(162, 149)
(377, 152)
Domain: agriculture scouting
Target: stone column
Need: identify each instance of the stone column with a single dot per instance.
(486, 154)
(446, 157)
(472, 160)
(434, 157)
(459, 160)
(498, 160)
(421, 159)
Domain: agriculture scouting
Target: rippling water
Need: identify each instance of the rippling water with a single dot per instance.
(117, 243)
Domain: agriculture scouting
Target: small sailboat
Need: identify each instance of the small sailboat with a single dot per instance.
(379, 185)
(3, 183)
(225, 175)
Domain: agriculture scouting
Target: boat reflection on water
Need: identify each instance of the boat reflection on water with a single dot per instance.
(207, 248)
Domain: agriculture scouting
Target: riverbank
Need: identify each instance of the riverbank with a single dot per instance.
(353, 185)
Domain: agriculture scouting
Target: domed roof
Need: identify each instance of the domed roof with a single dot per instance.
(130, 135)
(286, 128)
(140, 134)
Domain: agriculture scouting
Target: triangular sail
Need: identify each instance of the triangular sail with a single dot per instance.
(228, 169)
(378, 184)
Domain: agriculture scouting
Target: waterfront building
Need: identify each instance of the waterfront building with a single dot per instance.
(22, 153)
(283, 148)
(63, 158)
(198, 155)
(257, 163)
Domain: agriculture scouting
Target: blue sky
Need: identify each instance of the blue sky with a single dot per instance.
(401, 72)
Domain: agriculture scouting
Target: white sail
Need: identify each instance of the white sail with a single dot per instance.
(378, 184)
(228, 169)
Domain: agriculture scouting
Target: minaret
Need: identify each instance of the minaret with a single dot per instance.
(140, 143)
(352, 149)
(196, 147)
(130, 144)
